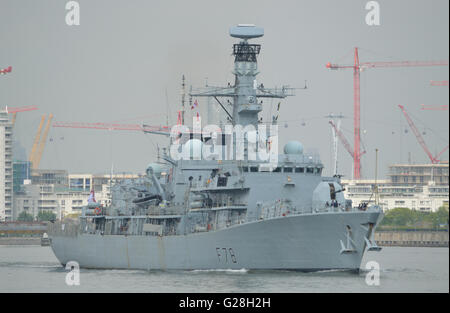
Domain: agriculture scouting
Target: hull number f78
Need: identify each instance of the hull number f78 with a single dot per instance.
(226, 255)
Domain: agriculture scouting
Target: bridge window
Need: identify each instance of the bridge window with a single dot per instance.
(310, 170)
(254, 169)
(299, 169)
(288, 170)
(222, 181)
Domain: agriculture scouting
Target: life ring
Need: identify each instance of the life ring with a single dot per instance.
(97, 211)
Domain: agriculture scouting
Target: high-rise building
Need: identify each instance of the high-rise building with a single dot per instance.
(6, 171)
(21, 174)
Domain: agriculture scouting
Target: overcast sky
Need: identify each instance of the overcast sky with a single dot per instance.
(125, 56)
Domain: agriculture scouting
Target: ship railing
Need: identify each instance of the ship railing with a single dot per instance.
(163, 210)
(280, 210)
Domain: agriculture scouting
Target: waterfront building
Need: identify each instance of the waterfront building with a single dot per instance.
(419, 174)
(62, 193)
(6, 170)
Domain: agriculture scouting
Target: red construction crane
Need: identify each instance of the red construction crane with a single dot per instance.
(16, 110)
(6, 70)
(357, 68)
(439, 83)
(21, 109)
(345, 142)
(443, 107)
(434, 159)
(343, 139)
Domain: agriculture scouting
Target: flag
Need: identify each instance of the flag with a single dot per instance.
(91, 197)
(194, 105)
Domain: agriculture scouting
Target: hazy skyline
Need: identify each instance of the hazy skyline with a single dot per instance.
(125, 56)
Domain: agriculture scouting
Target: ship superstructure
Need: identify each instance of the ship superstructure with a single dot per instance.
(225, 198)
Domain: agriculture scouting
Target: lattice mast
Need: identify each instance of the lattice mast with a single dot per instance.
(245, 105)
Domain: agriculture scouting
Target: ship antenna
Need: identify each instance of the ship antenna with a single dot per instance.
(110, 183)
(168, 108)
(157, 154)
(376, 177)
(375, 188)
(183, 98)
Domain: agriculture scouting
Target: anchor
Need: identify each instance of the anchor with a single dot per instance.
(370, 242)
(349, 248)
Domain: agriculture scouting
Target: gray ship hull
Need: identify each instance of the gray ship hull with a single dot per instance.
(306, 242)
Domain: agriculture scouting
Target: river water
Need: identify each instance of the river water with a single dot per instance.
(35, 269)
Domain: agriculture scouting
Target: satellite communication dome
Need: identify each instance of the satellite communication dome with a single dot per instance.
(293, 147)
(246, 31)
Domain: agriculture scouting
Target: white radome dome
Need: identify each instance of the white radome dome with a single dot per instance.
(293, 147)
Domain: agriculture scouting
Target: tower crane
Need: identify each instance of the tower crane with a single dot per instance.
(345, 142)
(439, 83)
(42, 142)
(36, 140)
(39, 142)
(443, 107)
(161, 130)
(357, 68)
(433, 159)
(14, 111)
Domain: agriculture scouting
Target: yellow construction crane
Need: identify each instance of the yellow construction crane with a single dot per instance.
(36, 141)
(39, 142)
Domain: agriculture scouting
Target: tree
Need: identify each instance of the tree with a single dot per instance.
(25, 217)
(399, 217)
(406, 218)
(440, 217)
(46, 216)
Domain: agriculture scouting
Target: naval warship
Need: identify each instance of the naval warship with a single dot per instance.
(191, 212)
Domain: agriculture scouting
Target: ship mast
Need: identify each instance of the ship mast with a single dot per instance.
(246, 90)
(183, 98)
